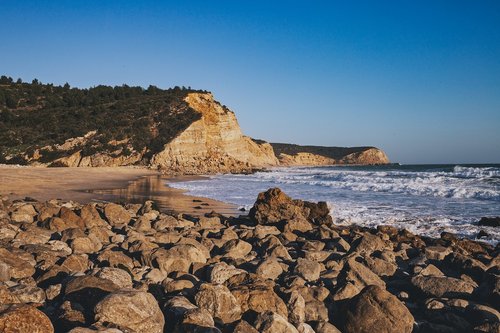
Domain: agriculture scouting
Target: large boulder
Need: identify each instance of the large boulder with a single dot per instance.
(377, 310)
(116, 215)
(274, 206)
(442, 286)
(130, 310)
(24, 319)
(219, 302)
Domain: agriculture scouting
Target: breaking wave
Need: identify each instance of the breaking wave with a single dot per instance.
(426, 199)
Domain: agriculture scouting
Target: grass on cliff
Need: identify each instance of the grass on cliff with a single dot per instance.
(34, 115)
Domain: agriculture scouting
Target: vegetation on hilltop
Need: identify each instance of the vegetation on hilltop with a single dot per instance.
(35, 115)
(330, 152)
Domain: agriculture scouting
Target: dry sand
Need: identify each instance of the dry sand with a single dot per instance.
(124, 184)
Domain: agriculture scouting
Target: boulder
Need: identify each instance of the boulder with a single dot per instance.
(116, 215)
(219, 302)
(489, 221)
(221, 272)
(24, 319)
(19, 267)
(274, 206)
(270, 322)
(236, 249)
(307, 269)
(131, 310)
(259, 297)
(375, 309)
(442, 286)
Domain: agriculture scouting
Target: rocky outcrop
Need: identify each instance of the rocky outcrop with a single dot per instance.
(213, 143)
(284, 268)
(295, 155)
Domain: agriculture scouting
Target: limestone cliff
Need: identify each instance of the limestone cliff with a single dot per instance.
(177, 130)
(296, 155)
(214, 143)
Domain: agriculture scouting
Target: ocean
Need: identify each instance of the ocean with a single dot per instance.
(425, 199)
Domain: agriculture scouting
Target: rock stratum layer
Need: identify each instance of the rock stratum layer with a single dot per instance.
(286, 267)
(180, 131)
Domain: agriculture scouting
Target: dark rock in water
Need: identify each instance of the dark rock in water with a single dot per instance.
(274, 206)
(489, 221)
(482, 234)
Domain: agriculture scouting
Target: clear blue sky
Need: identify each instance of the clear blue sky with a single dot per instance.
(420, 79)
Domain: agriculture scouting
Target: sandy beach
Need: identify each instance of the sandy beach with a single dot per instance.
(114, 184)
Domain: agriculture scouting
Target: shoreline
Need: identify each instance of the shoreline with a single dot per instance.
(86, 185)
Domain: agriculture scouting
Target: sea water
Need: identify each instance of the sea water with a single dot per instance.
(425, 199)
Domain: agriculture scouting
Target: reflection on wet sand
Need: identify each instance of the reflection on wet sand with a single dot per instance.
(168, 199)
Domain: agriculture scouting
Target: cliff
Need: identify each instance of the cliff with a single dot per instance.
(214, 143)
(296, 155)
(178, 131)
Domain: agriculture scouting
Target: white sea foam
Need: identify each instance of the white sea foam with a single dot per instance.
(425, 200)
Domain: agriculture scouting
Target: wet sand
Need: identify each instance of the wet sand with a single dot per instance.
(117, 184)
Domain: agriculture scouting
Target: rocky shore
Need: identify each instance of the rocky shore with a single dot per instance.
(286, 267)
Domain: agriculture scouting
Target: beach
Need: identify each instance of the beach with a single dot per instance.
(113, 184)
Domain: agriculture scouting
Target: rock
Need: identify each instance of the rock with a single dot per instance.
(269, 268)
(375, 308)
(431, 270)
(28, 294)
(116, 275)
(305, 328)
(87, 245)
(197, 320)
(326, 327)
(270, 322)
(221, 272)
(307, 269)
(489, 221)
(219, 302)
(23, 214)
(296, 308)
(367, 244)
(24, 319)
(18, 267)
(244, 327)
(359, 275)
(116, 215)
(381, 267)
(135, 311)
(259, 297)
(88, 290)
(437, 252)
(442, 286)
(91, 217)
(274, 206)
(236, 249)
(70, 219)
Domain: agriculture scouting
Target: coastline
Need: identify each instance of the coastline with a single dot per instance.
(126, 184)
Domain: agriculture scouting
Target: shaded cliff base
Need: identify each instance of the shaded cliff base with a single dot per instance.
(286, 267)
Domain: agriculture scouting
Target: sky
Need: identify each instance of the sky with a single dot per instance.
(418, 79)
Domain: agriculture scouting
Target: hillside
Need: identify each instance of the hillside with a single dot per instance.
(177, 130)
(290, 154)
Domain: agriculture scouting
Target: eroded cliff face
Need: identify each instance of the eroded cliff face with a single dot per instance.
(213, 143)
(370, 156)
